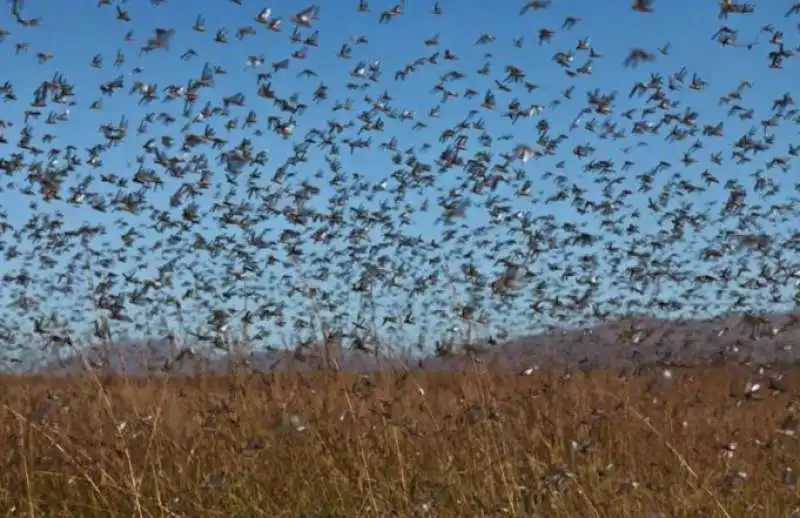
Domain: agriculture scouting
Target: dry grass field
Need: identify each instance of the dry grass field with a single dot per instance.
(421, 444)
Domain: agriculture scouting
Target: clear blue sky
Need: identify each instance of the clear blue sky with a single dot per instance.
(75, 31)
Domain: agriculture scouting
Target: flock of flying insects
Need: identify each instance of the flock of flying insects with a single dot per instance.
(487, 208)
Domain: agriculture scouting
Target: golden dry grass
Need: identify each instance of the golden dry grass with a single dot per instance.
(424, 444)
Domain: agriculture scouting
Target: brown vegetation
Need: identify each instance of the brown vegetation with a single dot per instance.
(419, 444)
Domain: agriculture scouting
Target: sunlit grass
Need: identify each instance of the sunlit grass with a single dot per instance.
(422, 444)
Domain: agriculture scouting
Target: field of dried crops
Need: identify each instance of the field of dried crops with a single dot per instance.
(420, 444)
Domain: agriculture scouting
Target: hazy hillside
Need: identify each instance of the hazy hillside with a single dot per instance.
(622, 343)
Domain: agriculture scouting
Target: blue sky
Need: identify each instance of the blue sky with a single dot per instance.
(76, 31)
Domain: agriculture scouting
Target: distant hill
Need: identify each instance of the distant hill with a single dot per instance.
(160, 356)
(645, 341)
(626, 342)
